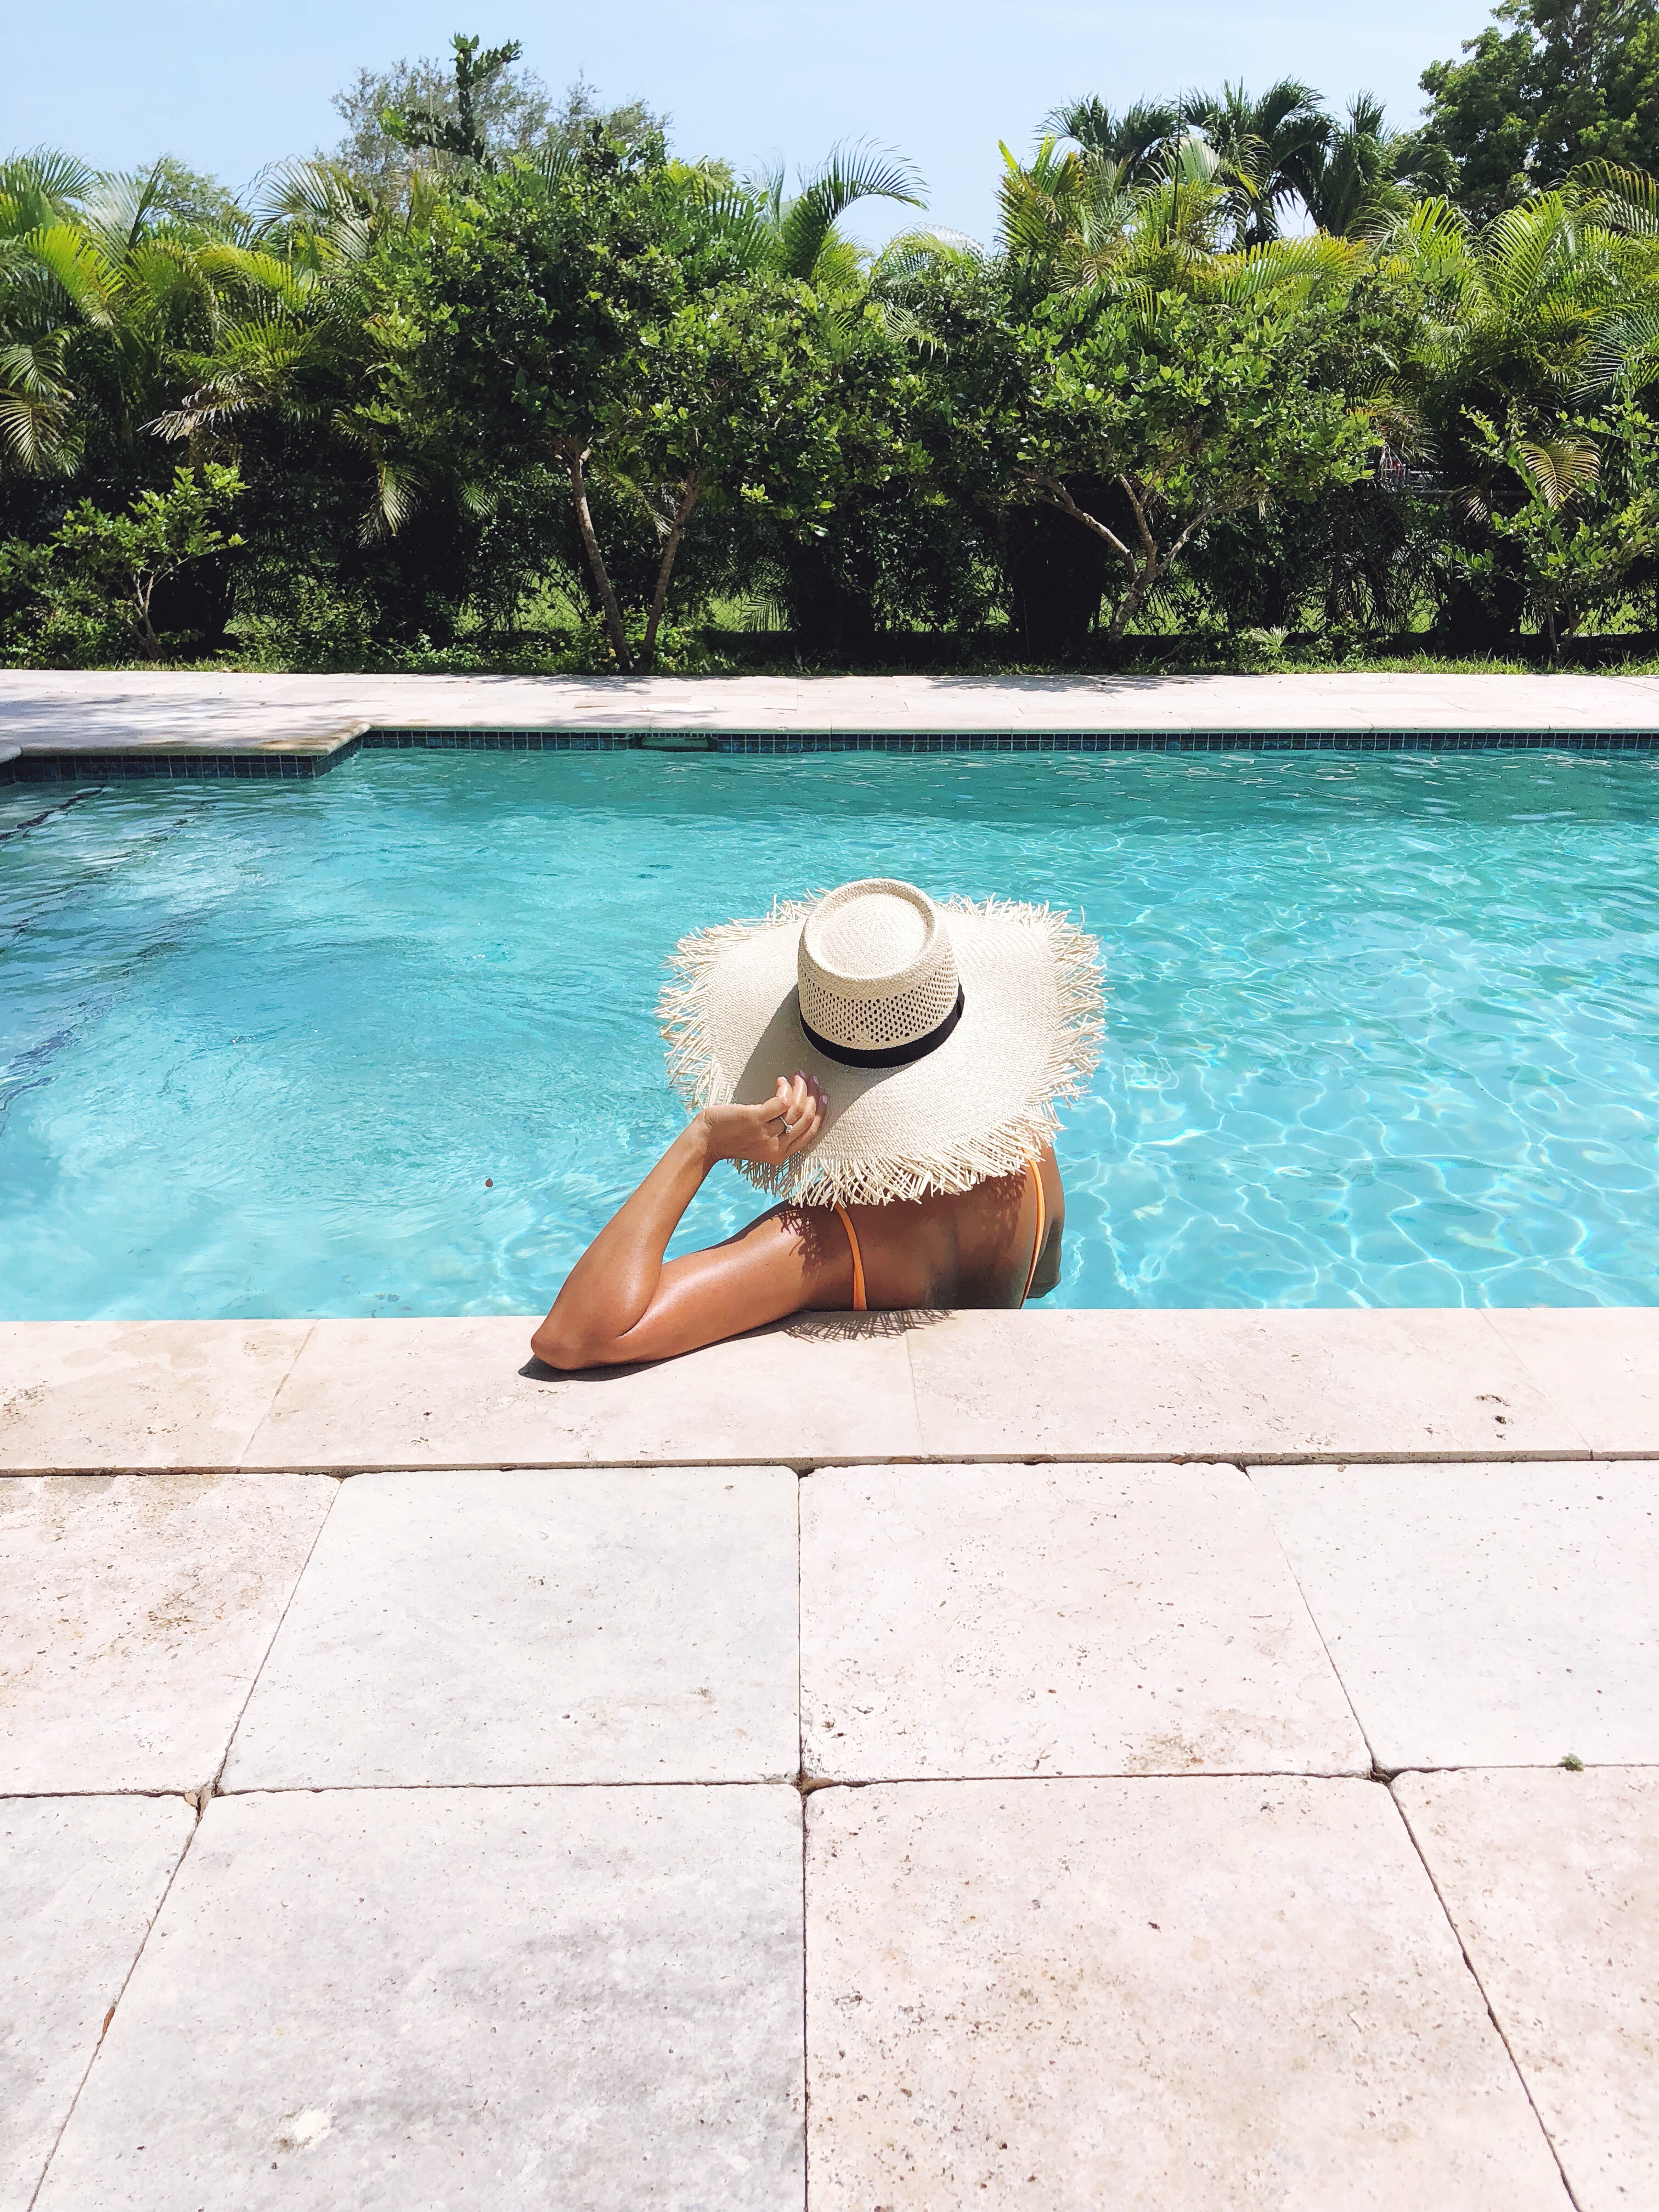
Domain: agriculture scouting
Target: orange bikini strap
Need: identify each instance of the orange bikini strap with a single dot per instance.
(859, 1305)
(1043, 1224)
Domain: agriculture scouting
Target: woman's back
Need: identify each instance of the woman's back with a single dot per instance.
(976, 1248)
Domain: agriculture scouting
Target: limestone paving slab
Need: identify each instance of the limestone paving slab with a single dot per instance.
(449, 1394)
(1552, 1881)
(1007, 1621)
(80, 1881)
(1484, 1616)
(1158, 1994)
(137, 1610)
(1292, 1385)
(614, 1625)
(1599, 1365)
(226, 711)
(125, 1395)
(394, 1998)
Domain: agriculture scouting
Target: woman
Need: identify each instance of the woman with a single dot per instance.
(890, 1069)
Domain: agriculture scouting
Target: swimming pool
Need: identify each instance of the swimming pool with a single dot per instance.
(1380, 1027)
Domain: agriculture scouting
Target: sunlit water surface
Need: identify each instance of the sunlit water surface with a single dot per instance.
(1381, 1030)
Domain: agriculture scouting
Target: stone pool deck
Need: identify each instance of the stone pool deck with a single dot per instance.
(1047, 1759)
(61, 722)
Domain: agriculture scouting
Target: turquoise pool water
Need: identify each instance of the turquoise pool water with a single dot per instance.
(1382, 1030)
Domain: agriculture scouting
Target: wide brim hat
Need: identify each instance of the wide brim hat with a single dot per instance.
(945, 1036)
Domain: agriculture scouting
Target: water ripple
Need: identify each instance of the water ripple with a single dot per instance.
(1381, 1029)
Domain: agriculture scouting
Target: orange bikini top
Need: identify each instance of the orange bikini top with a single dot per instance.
(860, 1303)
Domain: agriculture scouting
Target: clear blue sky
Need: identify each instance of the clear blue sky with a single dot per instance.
(229, 86)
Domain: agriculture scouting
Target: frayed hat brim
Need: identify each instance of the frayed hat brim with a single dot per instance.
(1028, 1039)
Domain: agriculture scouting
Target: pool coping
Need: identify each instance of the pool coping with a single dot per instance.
(1314, 1386)
(93, 725)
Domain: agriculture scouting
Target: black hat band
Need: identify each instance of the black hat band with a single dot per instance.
(887, 1056)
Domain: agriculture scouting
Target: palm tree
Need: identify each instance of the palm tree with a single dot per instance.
(1525, 303)
(1624, 343)
(38, 193)
(1075, 215)
(796, 235)
(301, 343)
(1516, 321)
(1270, 148)
(1366, 174)
(1071, 219)
(101, 286)
(1135, 142)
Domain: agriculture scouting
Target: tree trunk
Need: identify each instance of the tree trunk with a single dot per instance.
(142, 589)
(1056, 579)
(1143, 573)
(665, 569)
(1133, 599)
(573, 456)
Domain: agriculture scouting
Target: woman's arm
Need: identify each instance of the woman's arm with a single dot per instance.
(621, 1302)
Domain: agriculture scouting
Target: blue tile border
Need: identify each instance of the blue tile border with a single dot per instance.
(50, 767)
(185, 768)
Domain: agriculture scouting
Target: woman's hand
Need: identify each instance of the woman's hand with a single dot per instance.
(620, 1302)
(770, 1133)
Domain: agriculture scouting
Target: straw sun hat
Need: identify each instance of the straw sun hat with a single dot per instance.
(944, 1035)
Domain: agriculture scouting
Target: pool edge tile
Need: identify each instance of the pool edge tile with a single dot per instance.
(1599, 1363)
(138, 1396)
(410, 1394)
(1262, 1385)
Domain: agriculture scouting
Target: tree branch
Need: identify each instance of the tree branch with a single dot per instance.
(572, 455)
(1149, 544)
(1054, 492)
(666, 567)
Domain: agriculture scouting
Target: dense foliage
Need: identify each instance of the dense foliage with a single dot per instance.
(502, 381)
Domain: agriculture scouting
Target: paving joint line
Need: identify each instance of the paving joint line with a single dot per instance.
(803, 1785)
(282, 1384)
(213, 1788)
(804, 1790)
(808, 1785)
(1148, 1455)
(1314, 1623)
(1489, 1314)
(1475, 1976)
(126, 1980)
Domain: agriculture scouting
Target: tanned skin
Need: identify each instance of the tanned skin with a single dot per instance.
(621, 1302)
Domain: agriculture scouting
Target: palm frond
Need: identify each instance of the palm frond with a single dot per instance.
(914, 254)
(35, 405)
(556, 163)
(1556, 467)
(1625, 200)
(120, 209)
(75, 264)
(1038, 201)
(851, 173)
(44, 183)
(1282, 266)
(1623, 343)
